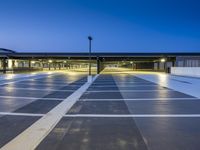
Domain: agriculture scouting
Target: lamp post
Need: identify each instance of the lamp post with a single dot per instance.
(90, 50)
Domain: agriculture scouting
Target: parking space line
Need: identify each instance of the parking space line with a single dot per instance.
(125, 85)
(143, 99)
(35, 89)
(20, 114)
(126, 91)
(116, 84)
(101, 82)
(32, 136)
(136, 116)
(47, 82)
(58, 85)
(32, 98)
(35, 77)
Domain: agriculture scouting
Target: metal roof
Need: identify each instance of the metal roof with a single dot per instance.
(13, 54)
(6, 51)
(20, 54)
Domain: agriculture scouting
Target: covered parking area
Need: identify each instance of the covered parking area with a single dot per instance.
(11, 61)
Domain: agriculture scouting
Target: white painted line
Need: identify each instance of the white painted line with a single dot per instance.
(20, 114)
(32, 136)
(143, 99)
(36, 89)
(126, 91)
(5, 77)
(116, 82)
(121, 84)
(19, 76)
(53, 82)
(135, 115)
(19, 80)
(32, 98)
(124, 86)
(58, 85)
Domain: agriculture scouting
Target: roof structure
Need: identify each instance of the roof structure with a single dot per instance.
(12, 54)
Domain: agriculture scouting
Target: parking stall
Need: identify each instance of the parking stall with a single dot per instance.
(123, 111)
(23, 102)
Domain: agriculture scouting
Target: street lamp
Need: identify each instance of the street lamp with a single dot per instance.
(90, 50)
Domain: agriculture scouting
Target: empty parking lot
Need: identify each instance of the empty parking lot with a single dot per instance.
(118, 111)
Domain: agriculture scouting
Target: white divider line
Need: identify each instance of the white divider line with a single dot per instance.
(142, 99)
(46, 84)
(89, 91)
(3, 78)
(135, 115)
(26, 78)
(32, 136)
(110, 82)
(32, 98)
(131, 84)
(20, 114)
(18, 76)
(52, 82)
(35, 89)
(125, 85)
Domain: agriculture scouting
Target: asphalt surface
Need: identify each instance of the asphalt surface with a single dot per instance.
(89, 124)
(117, 112)
(32, 96)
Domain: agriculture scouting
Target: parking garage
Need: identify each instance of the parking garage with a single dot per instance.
(12, 61)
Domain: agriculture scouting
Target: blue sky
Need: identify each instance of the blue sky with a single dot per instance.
(116, 25)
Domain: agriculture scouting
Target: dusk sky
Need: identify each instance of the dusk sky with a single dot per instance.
(116, 25)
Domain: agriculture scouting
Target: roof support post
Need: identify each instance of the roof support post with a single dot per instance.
(99, 65)
(4, 65)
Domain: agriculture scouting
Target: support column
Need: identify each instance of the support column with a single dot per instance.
(49, 64)
(54, 64)
(59, 66)
(4, 65)
(99, 65)
(29, 64)
(13, 64)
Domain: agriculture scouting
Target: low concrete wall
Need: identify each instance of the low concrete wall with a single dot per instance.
(186, 71)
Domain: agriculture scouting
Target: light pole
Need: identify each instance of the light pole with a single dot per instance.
(90, 50)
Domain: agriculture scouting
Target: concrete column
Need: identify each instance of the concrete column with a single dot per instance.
(10, 63)
(99, 65)
(16, 63)
(54, 65)
(13, 63)
(42, 65)
(29, 64)
(49, 66)
(66, 65)
(4, 65)
(173, 63)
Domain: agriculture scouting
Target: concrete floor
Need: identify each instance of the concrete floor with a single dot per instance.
(121, 110)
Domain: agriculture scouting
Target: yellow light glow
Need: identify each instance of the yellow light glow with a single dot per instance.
(50, 61)
(162, 60)
(9, 76)
(33, 62)
(10, 63)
